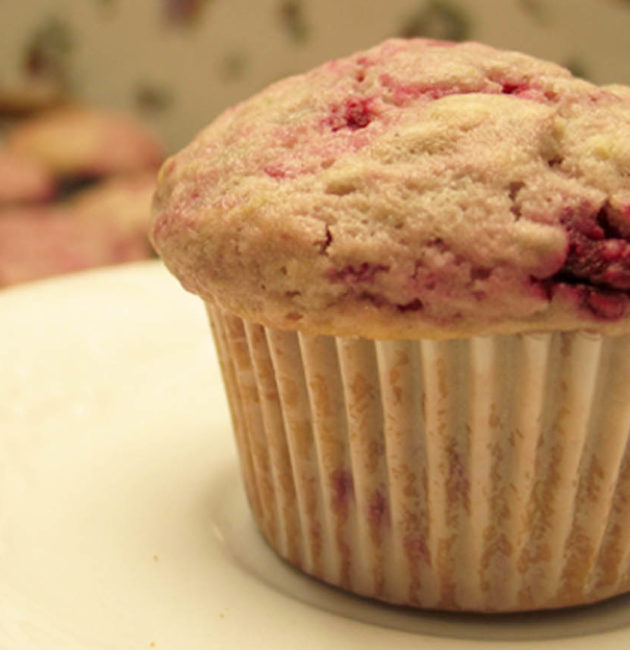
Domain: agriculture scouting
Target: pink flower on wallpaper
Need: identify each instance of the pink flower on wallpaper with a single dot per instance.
(183, 12)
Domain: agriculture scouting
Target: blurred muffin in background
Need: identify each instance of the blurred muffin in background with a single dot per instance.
(75, 192)
(23, 180)
(76, 141)
(100, 226)
(125, 204)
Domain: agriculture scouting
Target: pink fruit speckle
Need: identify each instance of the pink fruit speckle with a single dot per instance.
(275, 171)
(355, 113)
(403, 93)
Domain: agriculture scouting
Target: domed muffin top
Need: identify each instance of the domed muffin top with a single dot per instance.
(419, 188)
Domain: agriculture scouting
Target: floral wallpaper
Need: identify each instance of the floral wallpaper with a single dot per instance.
(177, 63)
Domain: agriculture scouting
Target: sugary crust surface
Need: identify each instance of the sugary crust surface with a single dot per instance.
(417, 189)
(77, 141)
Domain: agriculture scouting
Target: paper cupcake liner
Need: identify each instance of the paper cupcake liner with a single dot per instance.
(486, 474)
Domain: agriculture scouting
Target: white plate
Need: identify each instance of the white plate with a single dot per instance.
(122, 521)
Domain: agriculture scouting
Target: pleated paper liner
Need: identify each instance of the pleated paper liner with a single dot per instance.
(486, 474)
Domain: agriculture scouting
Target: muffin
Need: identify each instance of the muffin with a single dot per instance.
(39, 241)
(79, 142)
(123, 204)
(23, 180)
(416, 262)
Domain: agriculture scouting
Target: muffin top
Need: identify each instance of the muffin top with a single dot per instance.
(417, 189)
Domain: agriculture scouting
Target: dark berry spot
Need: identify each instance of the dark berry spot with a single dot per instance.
(595, 254)
(596, 270)
(357, 114)
(514, 189)
(327, 242)
(480, 273)
(364, 272)
(414, 305)
(555, 161)
(514, 88)
(531, 89)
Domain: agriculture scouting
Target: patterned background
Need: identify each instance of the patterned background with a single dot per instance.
(177, 63)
